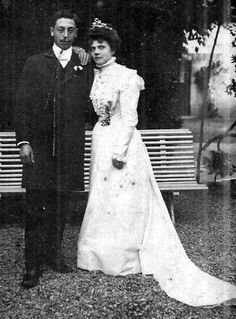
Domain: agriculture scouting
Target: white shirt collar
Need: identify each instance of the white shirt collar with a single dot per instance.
(63, 55)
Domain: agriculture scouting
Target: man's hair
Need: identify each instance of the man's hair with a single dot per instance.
(64, 13)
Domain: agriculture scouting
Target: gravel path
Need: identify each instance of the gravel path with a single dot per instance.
(206, 224)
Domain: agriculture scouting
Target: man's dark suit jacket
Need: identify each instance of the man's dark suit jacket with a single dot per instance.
(49, 94)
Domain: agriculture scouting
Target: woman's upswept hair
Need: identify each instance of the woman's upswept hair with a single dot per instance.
(105, 32)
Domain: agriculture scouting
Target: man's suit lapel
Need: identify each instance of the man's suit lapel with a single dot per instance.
(51, 61)
(71, 69)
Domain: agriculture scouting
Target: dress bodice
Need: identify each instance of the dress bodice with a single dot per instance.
(109, 81)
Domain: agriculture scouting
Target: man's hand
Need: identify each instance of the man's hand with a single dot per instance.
(26, 154)
(82, 54)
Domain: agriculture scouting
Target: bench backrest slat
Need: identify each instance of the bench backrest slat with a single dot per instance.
(170, 151)
(10, 164)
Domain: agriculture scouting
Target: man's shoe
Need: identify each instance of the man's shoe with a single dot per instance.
(30, 279)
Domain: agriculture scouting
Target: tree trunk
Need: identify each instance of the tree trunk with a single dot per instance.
(204, 104)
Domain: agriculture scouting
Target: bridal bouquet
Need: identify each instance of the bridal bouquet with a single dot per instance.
(104, 113)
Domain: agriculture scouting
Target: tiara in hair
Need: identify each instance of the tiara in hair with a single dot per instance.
(99, 24)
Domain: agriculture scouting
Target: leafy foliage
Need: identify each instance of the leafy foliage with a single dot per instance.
(231, 88)
(219, 163)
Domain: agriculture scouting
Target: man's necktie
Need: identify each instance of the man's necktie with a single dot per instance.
(62, 59)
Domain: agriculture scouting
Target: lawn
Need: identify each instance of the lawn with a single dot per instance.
(205, 222)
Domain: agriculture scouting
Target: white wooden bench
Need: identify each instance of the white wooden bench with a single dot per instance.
(172, 158)
(170, 152)
(10, 165)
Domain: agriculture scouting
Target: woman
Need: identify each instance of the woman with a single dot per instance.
(127, 228)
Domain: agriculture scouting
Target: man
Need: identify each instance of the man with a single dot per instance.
(50, 118)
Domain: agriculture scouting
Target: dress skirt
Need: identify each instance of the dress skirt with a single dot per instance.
(127, 228)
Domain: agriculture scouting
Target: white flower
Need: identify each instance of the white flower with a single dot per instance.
(76, 67)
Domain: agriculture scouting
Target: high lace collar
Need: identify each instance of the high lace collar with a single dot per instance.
(109, 62)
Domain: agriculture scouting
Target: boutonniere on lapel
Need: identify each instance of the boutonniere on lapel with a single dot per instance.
(83, 57)
(77, 69)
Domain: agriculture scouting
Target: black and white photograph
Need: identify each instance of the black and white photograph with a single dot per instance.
(118, 159)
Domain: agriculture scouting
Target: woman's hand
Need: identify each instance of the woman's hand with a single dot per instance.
(118, 164)
(82, 54)
(118, 161)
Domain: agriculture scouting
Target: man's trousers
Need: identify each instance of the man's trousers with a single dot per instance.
(45, 220)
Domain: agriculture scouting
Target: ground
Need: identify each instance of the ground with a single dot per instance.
(205, 222)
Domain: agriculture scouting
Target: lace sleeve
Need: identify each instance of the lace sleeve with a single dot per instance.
(129, 96)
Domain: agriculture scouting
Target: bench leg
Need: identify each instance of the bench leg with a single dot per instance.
(169, 199)
(172, 213)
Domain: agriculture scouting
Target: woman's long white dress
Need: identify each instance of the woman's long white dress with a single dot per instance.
(127, 228)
